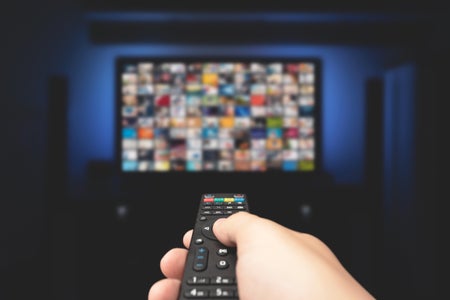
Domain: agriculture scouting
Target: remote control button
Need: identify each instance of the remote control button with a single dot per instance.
(203, 218)
(228, 199)
(198, 280)
(222, 293)
(222, 264)
(196, 293)
(222, 280)
(198, 241)
(208, 200)
(200, 266)
(201, 259)
(208, 232)
(222, 251)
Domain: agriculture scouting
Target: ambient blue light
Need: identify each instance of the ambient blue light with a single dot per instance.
(345, 69)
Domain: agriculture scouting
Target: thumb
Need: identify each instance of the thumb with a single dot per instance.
(230, 231)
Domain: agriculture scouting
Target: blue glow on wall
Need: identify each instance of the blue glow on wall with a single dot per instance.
(344, 73)
(345, 69)
(280, 17)
(399, 141)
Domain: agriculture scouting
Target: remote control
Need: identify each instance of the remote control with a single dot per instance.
(210, 271)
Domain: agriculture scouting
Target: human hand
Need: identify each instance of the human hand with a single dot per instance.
(273, 262)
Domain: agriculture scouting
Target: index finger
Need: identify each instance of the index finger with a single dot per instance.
(187, 238)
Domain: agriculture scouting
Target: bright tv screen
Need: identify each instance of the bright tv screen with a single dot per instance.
(240, 115)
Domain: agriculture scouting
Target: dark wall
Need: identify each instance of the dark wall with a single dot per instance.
(78, 242)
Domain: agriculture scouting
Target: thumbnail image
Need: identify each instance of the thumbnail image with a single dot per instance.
(178, 133)
(257, 68)
(209, 165)
(225, 165)
(258, 144)
(129, 79)
(129, 121)
(129, 100)
(129, 144)
(210, 144)
(144, 155)
(258, 89)
(145, 133)
(194, 155)
(242, 165)
(178, 165)
(258, 165)
(129, 165)
(161, 144)
(193, 165)
(275, 68)
(193, 133)
(226, 144)
(178, 122)
(226, 67)
(129, 155)
(145, 166)
(226, 154)
(162, 122)
(162, 165)
(129, 111)
(145, 144)
(195, 122)
(145, 89)
(145, 68)
(194, 144)
(129, 90)
(258, 154)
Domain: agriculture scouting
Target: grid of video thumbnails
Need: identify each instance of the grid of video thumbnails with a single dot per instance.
(216, 116)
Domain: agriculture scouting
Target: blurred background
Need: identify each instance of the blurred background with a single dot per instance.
(72, 227)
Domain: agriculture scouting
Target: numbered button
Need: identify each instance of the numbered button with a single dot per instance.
(196, 293)
(222, 280)
(198, 280)
(222, 293)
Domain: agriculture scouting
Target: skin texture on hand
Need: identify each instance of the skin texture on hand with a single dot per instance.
(274, 262)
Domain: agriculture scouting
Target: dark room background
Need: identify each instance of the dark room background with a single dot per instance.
(71, 228)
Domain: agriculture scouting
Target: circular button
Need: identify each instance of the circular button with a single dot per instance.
(222, 264)
(207, 231)
(198, 241)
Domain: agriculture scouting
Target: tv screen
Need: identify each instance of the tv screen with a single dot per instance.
(217, 115)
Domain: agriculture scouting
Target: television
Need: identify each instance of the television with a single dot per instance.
(198, 115)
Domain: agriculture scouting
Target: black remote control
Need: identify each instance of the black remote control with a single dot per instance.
(210, 271)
